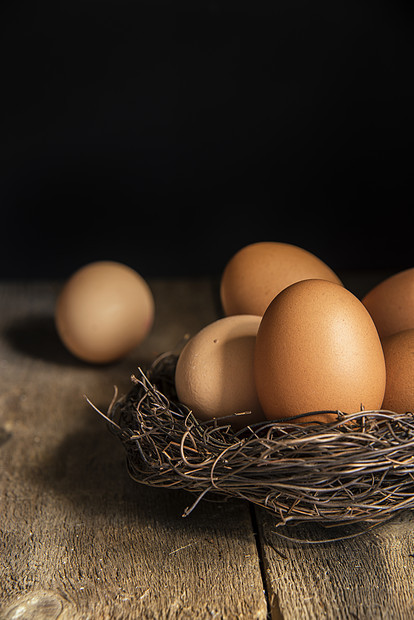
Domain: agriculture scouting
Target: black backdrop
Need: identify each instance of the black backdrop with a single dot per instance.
(168, 134)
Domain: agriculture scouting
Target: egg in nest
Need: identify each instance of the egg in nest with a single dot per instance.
(214, 372)
(391, 303)
(317, 348)
(399, 362)
(259, 271)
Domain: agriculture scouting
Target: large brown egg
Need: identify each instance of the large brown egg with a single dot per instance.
(391, 303)
(214, 373)
(399, 362)
(259, 271)
(104, 311)
(317, 348)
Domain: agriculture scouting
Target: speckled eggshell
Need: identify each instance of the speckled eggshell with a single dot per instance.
(259, 271)
(391, 303)
(317, 348)
(399, 363)
(214, 373)
(104, 310)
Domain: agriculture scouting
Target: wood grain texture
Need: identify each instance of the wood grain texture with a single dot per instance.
(368, 577)
(79, 539)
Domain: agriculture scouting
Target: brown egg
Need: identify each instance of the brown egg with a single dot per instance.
(391, 303)
(317, 349)
(399, 363)
(104, 311)
(258, 272)
(214, 373)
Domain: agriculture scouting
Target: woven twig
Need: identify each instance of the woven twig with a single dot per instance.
(357, 469)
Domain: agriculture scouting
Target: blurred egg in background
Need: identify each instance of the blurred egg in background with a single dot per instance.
(104, 311)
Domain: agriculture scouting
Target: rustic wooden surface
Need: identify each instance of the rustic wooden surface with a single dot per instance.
(79, 539)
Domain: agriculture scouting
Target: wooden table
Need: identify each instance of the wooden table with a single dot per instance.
(80, 539)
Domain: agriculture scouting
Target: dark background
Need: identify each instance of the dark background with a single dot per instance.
(168, 134)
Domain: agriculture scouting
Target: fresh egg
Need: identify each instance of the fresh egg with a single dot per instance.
(391, 303)
(104, 311)
(214, 372)
(399, 362)
(317, 349)
(259, 271)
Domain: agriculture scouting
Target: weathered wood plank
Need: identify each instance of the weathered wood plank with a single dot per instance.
(78, 538)
(367, 577)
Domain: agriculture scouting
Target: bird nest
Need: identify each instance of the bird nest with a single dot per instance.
(358, 468)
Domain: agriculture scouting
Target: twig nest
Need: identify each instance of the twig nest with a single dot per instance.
(357, 468)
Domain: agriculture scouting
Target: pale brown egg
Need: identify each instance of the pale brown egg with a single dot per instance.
(391, 303)
(104, 311)
(317, 348)
(259, 271)
(399, 363)
(214, 373)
